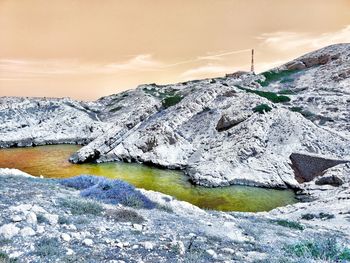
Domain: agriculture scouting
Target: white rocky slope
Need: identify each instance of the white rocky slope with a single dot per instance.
(40, 121)
(320, 84)
(215, 133)
(217, 138)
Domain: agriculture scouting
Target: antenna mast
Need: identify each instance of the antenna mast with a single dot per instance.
(252, 65)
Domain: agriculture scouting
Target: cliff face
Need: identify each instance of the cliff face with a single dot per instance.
(240, 129)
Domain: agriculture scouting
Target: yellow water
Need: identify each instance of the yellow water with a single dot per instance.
(52, 162)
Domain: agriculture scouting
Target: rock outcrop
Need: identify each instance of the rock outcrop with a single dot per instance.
(212, 128)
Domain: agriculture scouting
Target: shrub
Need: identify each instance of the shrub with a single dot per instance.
(4, 258)
(327, 249)
(271, 96)
(171, 100)
(82, 207)
(307, 114)
(262, 108)
(116, 109)
(62, 220)
(81, 182)
(109, 191)
(286, 92)
(41, 219)
(272, 76)
(124, 215)
(290, 224)
(48, 247)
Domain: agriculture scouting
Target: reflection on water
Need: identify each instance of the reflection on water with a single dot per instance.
(52, 162)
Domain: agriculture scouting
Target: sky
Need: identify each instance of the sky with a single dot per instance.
(86, 49)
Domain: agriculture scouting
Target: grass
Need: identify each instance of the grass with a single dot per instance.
(290, 224)
(327, 249)
(262, 108)
(48, 247)
(271, 96)
(273, 76)
(82, 207)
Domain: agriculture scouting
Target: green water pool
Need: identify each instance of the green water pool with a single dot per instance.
(52, 162)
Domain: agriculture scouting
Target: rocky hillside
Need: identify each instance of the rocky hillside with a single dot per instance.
(43, 221)
(242, 129)
(239, 129)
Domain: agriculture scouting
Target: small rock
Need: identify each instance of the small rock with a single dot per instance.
(102, 229)
(53, 219)
(38, 209)
(65, 237)
(40, 229)
(135, 246)
(8, 231)
(16, 218)
(69, 252)
(27, 231)
(148, 245)
(32, 219)
(212, 253)
(72, 227)
(228, 250)
(76, 235)
(21, 208)
(120, 245)
(88, 242)
(137, 227)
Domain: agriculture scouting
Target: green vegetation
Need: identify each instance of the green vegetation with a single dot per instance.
(62, 220)
(169, 97)
(124, 215)
(48, 247)
(290, 224)
(272, 76)
(327, 249)
(82, 207)
(165, 208)
(307, 114)
(286, 92)
(262, 108)
(4, 258)
(171, 101)
(271, 96)
(321, 215)
(116, 109)
(41, 219)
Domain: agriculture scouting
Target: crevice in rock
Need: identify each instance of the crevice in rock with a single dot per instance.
(307, 167)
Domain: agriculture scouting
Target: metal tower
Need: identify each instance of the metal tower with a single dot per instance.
(252, 65)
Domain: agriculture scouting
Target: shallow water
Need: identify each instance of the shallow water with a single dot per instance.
(52, 162)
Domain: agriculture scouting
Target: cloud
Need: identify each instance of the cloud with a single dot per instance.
(143, 62)
(11, 69)
(285, 40)
(207, 70)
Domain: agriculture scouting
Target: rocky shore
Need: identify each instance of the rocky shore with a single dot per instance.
(43, 221)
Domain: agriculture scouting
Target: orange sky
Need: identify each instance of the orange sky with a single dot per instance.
(89, 48)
